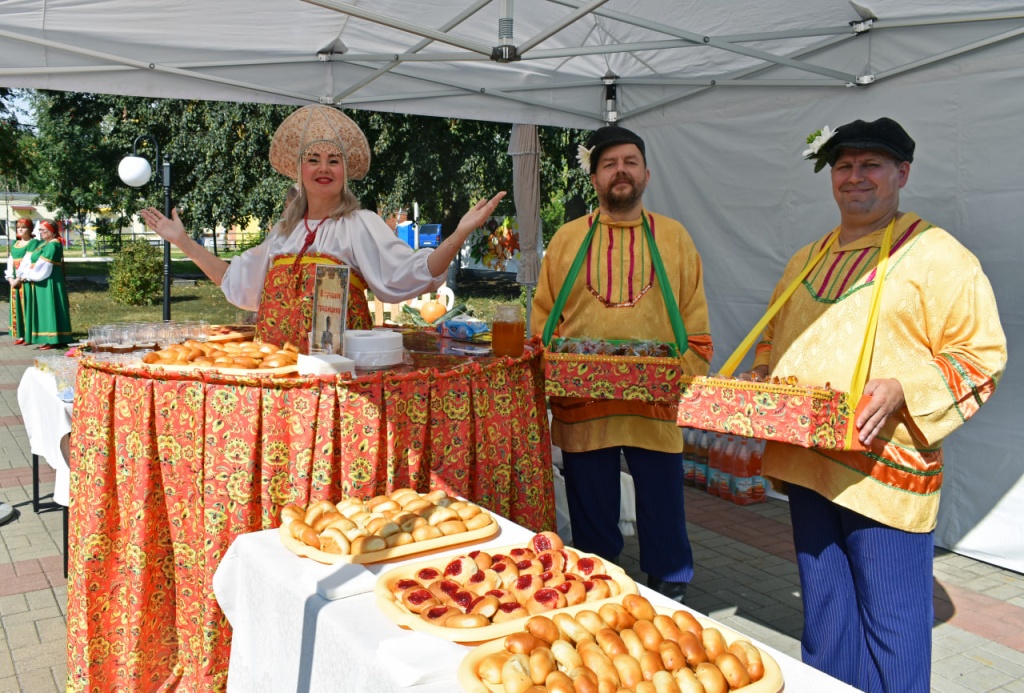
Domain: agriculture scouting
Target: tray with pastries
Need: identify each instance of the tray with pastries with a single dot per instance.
(238, 357)
(482, 595)
(620, 646)
(230, 333)
(383, 528)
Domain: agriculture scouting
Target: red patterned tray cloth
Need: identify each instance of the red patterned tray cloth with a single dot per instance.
(808, 416)
(605, 376)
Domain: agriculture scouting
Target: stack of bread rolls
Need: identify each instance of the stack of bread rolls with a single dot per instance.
(479, 589)
(244, 355)
(354, 526)
(627, 646)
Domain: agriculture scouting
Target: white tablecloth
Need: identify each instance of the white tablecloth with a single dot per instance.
(288, 638)
(48, 424)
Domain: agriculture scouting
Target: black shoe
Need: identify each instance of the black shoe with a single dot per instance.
(673, 590)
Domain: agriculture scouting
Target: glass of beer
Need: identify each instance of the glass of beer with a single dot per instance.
(508, 331)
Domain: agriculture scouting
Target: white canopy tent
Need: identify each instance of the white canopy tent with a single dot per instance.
(724, 94)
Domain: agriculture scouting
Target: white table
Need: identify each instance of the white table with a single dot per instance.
(288, 638)
(48, 424)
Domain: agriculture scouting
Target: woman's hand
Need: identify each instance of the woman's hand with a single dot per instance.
(168, 229)
(476, 217)
(478, 214)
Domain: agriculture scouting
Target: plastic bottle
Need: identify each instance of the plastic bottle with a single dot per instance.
(759, 487)
(716, 456)
(689, 455)
(703, 441)
(727, 468)
(742, 481)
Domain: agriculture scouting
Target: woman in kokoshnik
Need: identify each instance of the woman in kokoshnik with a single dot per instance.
(321, 148)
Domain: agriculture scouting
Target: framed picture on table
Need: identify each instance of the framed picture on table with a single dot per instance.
(330, 308)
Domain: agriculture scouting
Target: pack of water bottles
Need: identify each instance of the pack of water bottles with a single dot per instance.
(727, 466)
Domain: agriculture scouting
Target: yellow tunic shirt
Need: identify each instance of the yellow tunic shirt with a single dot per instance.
(617, 296)
(938, 334)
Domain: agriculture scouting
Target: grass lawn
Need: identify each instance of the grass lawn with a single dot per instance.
(91, 303)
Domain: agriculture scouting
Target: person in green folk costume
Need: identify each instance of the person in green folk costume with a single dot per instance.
(24, 245)
(48, 319)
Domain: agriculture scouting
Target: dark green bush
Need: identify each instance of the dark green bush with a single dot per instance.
(136, 275)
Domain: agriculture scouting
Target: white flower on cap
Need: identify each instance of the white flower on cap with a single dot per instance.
(817, 140)
(583, 156)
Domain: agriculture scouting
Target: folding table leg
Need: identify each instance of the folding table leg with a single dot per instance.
(65, 513)
(35, 483)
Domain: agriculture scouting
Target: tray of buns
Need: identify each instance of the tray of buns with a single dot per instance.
(235, 357)
(484, 595)
(618, 646)
(230, 333)
(383, 528)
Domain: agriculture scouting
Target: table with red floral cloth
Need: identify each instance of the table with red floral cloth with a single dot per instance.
(167, 468)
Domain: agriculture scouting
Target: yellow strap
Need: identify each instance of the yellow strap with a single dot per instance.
(733, 361)
(860, 372)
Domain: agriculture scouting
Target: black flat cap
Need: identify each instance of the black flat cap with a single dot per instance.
(885, 134)
(602, 138)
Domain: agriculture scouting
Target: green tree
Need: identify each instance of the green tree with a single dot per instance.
(14, 165)
(75, 165)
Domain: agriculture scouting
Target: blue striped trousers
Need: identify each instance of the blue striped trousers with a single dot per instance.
(867, 596)
(593, 493)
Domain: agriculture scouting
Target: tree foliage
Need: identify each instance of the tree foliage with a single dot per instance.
(221, 174)
(14, 164)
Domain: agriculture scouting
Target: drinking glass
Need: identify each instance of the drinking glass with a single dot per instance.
(508, 330)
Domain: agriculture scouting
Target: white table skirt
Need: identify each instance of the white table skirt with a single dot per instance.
(288, 638)
(48, 424)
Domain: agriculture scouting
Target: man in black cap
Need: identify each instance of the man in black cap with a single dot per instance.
(616, 295)
(864, 519)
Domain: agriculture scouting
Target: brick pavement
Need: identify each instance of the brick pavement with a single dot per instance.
(746, 577)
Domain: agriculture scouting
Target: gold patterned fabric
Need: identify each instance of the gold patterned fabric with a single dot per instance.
(615, 297)
(938, 334)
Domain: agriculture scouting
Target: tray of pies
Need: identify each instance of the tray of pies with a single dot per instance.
(239, 357)
(230, 333)
(383, 528)
(484, 595)
(618, 646)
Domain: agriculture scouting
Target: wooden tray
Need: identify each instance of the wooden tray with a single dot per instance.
(406, 619)
(283, 370)
(417, 547)
(233, 336)
(771, 682)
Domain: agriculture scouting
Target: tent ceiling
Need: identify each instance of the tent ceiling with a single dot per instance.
(553, 62)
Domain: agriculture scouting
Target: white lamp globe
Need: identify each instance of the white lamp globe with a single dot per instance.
(134, 171)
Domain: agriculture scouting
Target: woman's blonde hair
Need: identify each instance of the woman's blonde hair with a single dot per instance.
(296, 209)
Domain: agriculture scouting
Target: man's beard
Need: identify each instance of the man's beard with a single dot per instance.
(617, 202)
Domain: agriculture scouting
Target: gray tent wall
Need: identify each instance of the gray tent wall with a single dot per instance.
(736, 179)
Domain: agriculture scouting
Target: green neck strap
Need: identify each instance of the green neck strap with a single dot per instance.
(676, 320)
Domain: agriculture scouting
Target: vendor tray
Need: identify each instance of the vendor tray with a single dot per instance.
(603, 376)
(808, 416)
(417, 547)
(237, 333)
(283, 370)
(398, 613)
(771, 682)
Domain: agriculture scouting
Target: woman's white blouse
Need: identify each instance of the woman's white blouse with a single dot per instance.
(394, 271)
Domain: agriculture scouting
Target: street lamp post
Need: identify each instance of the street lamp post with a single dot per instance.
(136, 171)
